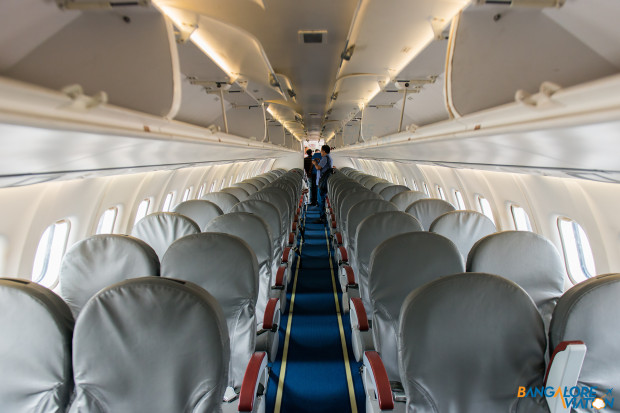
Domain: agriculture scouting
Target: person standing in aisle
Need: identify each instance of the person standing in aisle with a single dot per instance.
(311, 174)
(323, 169)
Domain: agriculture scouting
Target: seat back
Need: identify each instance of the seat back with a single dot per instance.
(277, 198)
(358, 212)
(427, 210)
(398, 266)
(403, 199)
(239, 193)
(389, 191)
(348, 200)
(222, 199)
(254, 230)
(153, 345)
(270, 214)
(35, 348)
(525, 258)
(227, 268)
(247, 187)
(589, 312)
(467, 342)
(259, 183)
(100, 261)
(199, 211)
(371, 232)
(464, 228)
(161, 229)
(380, 186)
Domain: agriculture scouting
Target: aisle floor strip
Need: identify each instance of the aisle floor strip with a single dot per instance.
(343, 340)
(287, 337)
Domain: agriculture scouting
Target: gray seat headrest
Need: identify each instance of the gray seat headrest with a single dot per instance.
(390, 191)
(427, 210)
(371, 232)
(199, 211)
(239, 193)
(403, 199)
(398, 266)
(222, 199)
(347, 201)
(150, 344)
(380, 186)
(254, 230)
(100, 261)
(161, 229)
(361, 210)
(589, 312)
(35, 348)
(525, 258)
(277, 198)
(464, 228)
(265, 210)
(466, 342)
(227, 268)
(247, 187)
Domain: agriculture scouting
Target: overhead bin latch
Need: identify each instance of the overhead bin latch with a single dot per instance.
(539, 4)
(99, 5)
(541, 99)
(80, 101)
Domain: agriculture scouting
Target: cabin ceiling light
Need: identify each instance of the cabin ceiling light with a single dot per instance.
(189, 30)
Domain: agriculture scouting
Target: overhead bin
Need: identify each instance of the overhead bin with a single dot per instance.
(101, 51)
(497, 51)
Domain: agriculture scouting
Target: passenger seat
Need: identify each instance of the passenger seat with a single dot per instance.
(35, 348)
(161, 229)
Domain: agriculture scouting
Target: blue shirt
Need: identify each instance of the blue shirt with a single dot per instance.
(326, 163)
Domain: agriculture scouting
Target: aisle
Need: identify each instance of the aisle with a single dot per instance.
(315, 377)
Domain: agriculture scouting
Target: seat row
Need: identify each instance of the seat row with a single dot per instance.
(145, 344)
(393, 260)
(234, 260)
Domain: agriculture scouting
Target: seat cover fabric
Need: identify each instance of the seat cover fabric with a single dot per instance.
(464, 228)
(222, 199)
(589, 312)
(254, 230)
(380, 186)
(152, 345)
(276, 197)
(256, 183)
(526, 258)
(227, 268)
(247, 187)
(467, 342)
(100, 261)
(403, 199)
(161, 229)
(398, 266)
(346, 203)
(199, 211)
(388, 192)
(239, 193)
(270, 214)
(360, 211)
(427, 210)
(371, 232)
(35, 348)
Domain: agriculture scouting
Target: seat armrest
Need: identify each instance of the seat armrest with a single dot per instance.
(251, 380)
(359, 319)
(280, 275)
(563, 371)
(379, 377)
(269, 318)
(338, 238)
(344, 257)
(350, 276)
(286, 254)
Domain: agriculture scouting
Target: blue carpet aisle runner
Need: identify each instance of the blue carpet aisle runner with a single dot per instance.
(315, 378)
